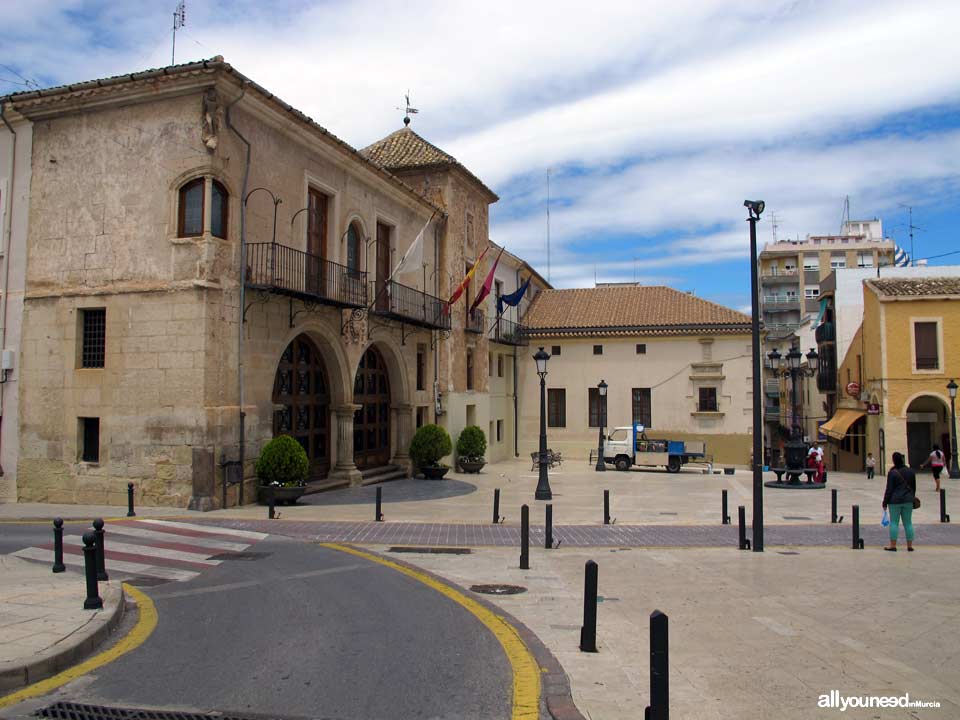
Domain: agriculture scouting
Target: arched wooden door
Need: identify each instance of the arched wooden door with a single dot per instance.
(301, 386)
(371, 422)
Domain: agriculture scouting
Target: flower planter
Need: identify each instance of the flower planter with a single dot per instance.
(472, 466)
(434, 473)
(281, 495)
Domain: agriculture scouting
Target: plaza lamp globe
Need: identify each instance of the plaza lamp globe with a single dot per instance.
(793, 358)
(775, 359)
(813, 359)
(601, 462)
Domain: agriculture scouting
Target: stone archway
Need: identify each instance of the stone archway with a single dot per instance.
(302, 389)
(927, 421)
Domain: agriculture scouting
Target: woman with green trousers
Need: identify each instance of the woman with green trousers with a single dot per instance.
(899, 499)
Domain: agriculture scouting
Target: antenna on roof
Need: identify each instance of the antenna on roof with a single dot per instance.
(548, 227)
(179, 20)
(775, 223)
(912, 227)
(408, 110)
(845, 218)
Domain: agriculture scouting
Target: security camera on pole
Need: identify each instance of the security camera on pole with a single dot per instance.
(755, 208)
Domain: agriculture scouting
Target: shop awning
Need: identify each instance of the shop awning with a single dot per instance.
(837, 426)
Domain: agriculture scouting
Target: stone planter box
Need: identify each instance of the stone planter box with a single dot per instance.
(434, 473)
(281, 495)
(472, 466)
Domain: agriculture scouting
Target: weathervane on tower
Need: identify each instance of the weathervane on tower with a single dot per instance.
(409, 110)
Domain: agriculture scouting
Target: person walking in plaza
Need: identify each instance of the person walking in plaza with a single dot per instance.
(900, 499)
(936, 462)
(871, 465)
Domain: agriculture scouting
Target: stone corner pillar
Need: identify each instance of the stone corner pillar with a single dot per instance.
(345, 468)
(204, 480)
(403, 421)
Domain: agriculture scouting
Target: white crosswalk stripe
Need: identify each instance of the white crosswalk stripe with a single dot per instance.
(138, 532)
(121, 566)
(214, 530)
(112, 545)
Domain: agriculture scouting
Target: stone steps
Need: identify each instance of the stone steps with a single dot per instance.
(384, 473)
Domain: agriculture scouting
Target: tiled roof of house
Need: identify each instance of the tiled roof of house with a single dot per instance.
(405, 150)
(916, 287)
(631, 310)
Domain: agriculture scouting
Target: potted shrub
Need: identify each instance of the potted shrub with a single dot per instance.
(471, 445)
(429, 444)
(282, 470)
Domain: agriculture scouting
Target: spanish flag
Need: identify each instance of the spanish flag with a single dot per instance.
(466, 280)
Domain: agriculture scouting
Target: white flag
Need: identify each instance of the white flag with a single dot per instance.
(412, 259)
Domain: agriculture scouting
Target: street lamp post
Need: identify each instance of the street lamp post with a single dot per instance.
(543, 482)
(788, 366)
(602, 390)
(954, 469)
(755, 207)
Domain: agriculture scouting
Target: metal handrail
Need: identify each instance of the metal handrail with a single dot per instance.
(407, 303)
(508, 332)
(476, 321)
(284, 268)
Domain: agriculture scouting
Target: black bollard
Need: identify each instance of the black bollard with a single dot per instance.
(58, 566)
(606, 507)
(524, 538)
(857, 540)
(271, 505)
(944, 518)
(548, 530)
(833, 506)
(130, 512)
(378, 514)
(659, 707)
(588, 631)
(496, 506)
(742, 517)
(724, 517)
(100, 535)
(93, 601)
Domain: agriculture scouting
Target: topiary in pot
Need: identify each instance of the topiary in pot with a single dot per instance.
(471, 445)
(282, 469)
(429, 444)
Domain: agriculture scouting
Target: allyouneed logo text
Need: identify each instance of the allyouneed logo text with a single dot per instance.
(840, 702)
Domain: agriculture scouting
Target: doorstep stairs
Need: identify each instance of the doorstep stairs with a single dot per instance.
(382, 474)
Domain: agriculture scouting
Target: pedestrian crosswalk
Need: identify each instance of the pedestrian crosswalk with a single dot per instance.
(160, 549)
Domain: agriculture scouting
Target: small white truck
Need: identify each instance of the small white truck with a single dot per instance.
(627, 446)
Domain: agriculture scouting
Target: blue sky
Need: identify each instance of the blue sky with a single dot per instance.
(654, 120)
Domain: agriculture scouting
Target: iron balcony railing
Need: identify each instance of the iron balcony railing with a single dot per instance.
(285, 270)
(476, 321)
(792, 300)
(508, 332)
(780, 329)
(407, 304)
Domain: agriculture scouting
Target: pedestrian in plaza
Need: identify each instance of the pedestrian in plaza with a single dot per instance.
(900, 499)
(936, 462)
(815, 460)
(871, 465)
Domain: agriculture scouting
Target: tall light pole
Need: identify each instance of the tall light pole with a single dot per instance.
(755, 208)
(954, 469)
(543, 482)
(602, 391)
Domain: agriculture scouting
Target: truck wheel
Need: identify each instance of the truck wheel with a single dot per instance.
(673, 464)
(622, 463)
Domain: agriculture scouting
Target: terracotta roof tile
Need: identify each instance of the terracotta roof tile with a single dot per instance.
(650, 310)
(916, 287)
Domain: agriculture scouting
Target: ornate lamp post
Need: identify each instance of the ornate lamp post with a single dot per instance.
(754, 210)
(788, 366)
(954, 469)
(602, 391)
(543, 483)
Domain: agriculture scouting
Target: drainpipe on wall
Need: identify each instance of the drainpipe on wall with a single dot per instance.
(243, 286)
(7, 237)
(436, 293)
(516, 387)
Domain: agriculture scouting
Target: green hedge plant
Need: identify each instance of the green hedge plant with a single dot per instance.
(283, 463)
(429, 444)
(472, 444)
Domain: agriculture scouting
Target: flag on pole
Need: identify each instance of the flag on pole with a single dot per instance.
(466, 280)
(487, 284)
(413, 258)
(513, 299)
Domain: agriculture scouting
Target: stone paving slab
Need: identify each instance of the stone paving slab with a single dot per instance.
(43, 626)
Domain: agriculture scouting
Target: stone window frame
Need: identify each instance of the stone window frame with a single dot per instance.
(208, 177)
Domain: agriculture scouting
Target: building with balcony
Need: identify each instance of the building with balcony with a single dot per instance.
(206, 268)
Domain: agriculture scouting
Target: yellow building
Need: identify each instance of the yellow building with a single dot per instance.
(900, 361)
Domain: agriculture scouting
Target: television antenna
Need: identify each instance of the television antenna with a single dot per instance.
(179, 20)
(408, 110)
(775, 223)
(912, 227)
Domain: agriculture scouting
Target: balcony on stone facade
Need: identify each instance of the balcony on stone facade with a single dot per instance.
(476, 321)
(409, 305)
(507, 332)
(276, 268)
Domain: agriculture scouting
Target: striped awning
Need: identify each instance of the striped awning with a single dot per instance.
(837, 426)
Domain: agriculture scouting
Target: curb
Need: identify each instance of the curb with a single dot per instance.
(58, 659)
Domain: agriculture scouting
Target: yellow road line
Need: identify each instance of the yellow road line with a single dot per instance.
(146, 622)
(526, 673)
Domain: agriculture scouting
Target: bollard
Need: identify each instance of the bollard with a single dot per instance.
(548, 530)
(524, 538)
(659, 707)
(58, 566)
(271, 505)
(496, 506)
(606, 507)
(833, 506)
(742, 517)
(130, 512)
(724, 517)
(93, 601)
(378, 516)
(944, 518)
(857, 540)
(588, 631)
(99, 534)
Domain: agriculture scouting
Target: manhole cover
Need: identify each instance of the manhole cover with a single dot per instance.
(796, 517)
(787, 552)
(667, 513)
(240, 556)
(498, 589)
(76, 711)
(432, 550)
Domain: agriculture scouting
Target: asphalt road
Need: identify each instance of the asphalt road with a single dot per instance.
(18, 535)
(300, 631)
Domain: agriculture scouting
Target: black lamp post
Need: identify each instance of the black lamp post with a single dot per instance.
(543, 482)
(788, 366)
(755, 208)
(954, 469)
(602, 391)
